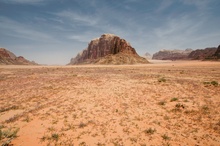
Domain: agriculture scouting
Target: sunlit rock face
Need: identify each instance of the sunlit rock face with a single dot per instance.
(8, 58)
(108, 49)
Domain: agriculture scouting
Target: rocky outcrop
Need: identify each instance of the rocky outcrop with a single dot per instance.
(8, 58)
(203, 54)
(217, 53)
(172, 54)
(108, 49)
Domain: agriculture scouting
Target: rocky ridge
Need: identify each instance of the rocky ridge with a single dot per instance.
(203, 54)
(8, 58)
(217, 53)
(172, 54)
(108, 49)
(211, 53)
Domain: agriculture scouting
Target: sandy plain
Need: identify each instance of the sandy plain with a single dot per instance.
(171, 103)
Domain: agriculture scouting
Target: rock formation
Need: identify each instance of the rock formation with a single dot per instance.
(108, 49)
(8, 58)
(217, 53)
(203, 54)
(172, 54)
(148, 56)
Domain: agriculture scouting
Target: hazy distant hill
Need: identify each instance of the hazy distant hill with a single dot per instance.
(172, 54)
(148, 56)
(203, 54)
(210, 53)
(8, 58)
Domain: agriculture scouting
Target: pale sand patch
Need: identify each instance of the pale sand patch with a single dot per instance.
(9, 114)
(113, 105)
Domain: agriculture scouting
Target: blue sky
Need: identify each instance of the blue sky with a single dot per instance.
(54, 31)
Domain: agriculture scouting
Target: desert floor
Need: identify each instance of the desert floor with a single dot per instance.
(172, 103)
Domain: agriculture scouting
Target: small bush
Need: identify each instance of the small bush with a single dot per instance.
(162, 80)
(214, 83)
(8, 133)
(161, 103)
(165, 137)
(55, 136)
(149, 131)
(174, 99)
(1, 135)
(82, 125)
(178, 105)
(205, 109)
(82, 144)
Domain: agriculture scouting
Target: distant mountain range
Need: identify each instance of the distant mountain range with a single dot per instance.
(111, 49)
(8, 58)
(211, 53)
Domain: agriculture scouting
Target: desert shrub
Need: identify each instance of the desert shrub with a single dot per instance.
(149, 131)
(214, 83)
(100, 144)
(82, 144)
(161, 103)
(173, 99)
(1, 135)
(55, 136)
(205, 107)
(9, 133)
(165, 137)
(82, 125)
(162, 80)
(182, 72)
(179, 105)
(42, 139)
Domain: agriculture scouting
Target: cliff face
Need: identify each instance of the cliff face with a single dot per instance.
(8, 58)
(202, 54)
(103, 50)
(217, 53)
(172, 54)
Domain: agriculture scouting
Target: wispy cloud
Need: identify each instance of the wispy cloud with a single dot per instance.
(164, 5)
(30, 2)
(84, 37)
(77, 18)
(16, 29)
(200, 4)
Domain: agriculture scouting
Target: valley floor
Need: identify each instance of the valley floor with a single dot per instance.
(172, 103)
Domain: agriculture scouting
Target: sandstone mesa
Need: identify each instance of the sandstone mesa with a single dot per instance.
(108, 49)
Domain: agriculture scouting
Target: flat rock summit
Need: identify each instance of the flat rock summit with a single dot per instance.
(108, 49)
(9, 58)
